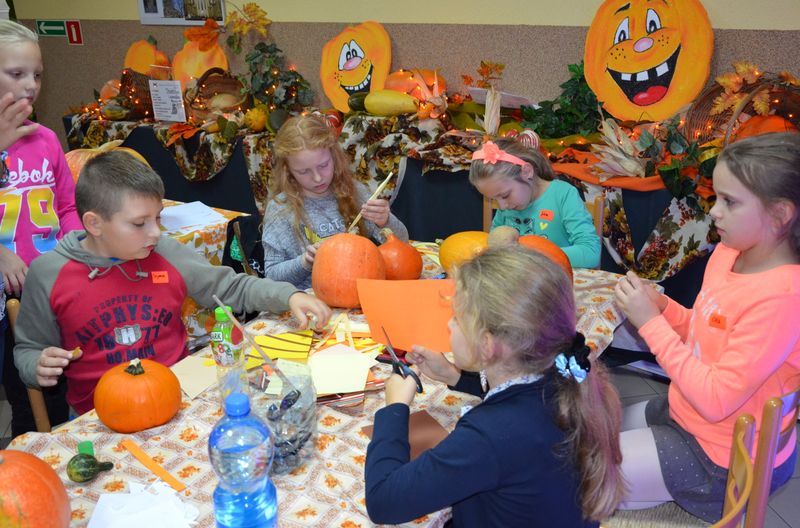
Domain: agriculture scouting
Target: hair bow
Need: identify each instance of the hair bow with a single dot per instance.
(490, 153)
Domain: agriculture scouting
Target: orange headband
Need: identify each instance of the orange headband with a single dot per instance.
(491, 153)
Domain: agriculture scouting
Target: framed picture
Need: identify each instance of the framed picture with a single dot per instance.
(181, 12)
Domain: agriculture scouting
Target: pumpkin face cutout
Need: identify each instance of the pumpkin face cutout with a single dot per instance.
(645, 59)
(356, 60)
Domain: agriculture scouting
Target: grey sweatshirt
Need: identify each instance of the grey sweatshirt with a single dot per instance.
(283, 252)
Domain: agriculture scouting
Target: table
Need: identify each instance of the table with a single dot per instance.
(326, 491)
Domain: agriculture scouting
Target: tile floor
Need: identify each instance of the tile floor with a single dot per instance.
(784, 507)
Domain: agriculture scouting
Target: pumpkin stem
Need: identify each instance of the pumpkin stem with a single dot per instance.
(135, 368)
(386, 233)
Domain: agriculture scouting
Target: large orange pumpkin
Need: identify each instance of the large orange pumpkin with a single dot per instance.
(340, 261)
(548, 249)
(356, 60)
(757, 125)
(191, 63)
(31, 494)
(645, 60)
(77, 158)
(405, 81)
(402, 260)
(137, 396)
(460, 247)
(144, 57)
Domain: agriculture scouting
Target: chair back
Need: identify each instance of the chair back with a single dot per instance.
(740, 474)
(771, 440)
(40, 416)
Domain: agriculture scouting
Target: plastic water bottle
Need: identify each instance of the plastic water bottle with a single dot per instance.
(227, 349)
(240, 449)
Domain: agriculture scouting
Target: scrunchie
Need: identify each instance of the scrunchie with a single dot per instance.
(575, 362)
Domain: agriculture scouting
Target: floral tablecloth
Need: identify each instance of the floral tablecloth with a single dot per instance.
(326, 491)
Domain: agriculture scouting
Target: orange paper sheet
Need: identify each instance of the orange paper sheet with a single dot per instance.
(413, 312)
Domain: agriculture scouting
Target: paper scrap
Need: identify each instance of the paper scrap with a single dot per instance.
(195, 374)
(339, 369)
(189, 215)
(156, 505)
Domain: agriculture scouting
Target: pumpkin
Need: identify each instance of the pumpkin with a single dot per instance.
(548, 249)
(191, 63)
(759, 124)
(340, 261)
(646, 60)
(109, 90)
(405, 81)
(77, 158)
(460, 247)
(144, 57)
(134, 397)
(401, 259)
(356, 60)
(31, 493)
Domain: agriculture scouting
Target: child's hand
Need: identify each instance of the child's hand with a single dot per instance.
(399, 389)
(13, 270)
(434, 365)
(12, 116)
(638, 299)
(51, 364)
(302, 305)
(376, 211)
(309, 255)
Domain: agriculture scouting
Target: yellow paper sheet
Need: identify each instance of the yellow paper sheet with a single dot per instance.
(339, 369)
(195, 374)
(291, 345)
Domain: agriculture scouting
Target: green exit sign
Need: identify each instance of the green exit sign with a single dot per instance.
(51, 28)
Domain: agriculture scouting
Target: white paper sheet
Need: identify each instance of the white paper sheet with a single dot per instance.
(189, 215)
(156, 505)
(339, 369)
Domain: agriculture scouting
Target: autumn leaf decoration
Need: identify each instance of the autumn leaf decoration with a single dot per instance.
(206, 35)
(488, 73)
(241, 21)
(181, 131)
(745, 74)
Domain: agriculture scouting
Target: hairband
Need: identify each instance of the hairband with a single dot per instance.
(575, 363)
(491, 153)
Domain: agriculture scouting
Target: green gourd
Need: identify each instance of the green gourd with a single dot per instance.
(83, 467)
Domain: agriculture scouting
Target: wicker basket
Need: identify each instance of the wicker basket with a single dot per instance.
(701, 126)
(135, 87)
(200, 99)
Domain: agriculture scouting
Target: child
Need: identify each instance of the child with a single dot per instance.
(37, 191)
(314, 197)
(522, 182)
(115, 290)
(541, 449)
(738, 346)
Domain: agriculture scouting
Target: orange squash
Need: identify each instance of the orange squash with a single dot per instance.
(460, 247)
(134, 397)
(405, 81)
(31, 493)
(109, 90)
(645, 60)
(757, 125)
(77, 158)
(549, 250)
(401, 259)
(191, 63)
(340, 261)
(144, 57)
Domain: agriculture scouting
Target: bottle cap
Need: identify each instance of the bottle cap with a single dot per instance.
(86, 448)
(220, 315)
(237, 404)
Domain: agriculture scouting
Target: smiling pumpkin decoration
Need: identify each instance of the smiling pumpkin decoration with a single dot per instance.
(356, 60)
(645, 59)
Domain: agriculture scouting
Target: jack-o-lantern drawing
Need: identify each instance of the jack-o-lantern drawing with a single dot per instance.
(645, 59)
(356, 60)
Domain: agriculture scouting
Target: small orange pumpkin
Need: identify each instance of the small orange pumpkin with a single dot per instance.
(31, 493)
(134, 397)
(144, 57)
(191, 63)
(402, 260)
(549, 250)
(460, 247)
(340, 261)
(757, 125)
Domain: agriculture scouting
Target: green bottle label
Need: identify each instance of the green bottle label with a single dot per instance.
(225, 351)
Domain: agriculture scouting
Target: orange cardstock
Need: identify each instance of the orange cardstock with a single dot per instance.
(413, 312)
(546, 214)
(717, 320)
(160, 277)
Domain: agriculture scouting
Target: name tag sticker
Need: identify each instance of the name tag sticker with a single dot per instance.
(160, 277)
(546, 214)
(717, 320)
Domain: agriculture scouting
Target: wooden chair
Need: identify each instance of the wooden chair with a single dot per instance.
(40, 416)
(740, 474)
(771, 440)
(595, 208)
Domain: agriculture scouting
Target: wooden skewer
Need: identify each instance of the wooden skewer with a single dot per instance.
(377, 193)
(252, 342)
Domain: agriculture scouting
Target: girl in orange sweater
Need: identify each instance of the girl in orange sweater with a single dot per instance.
(736, 348)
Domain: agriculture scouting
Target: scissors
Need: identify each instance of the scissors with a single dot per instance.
(398, 367)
